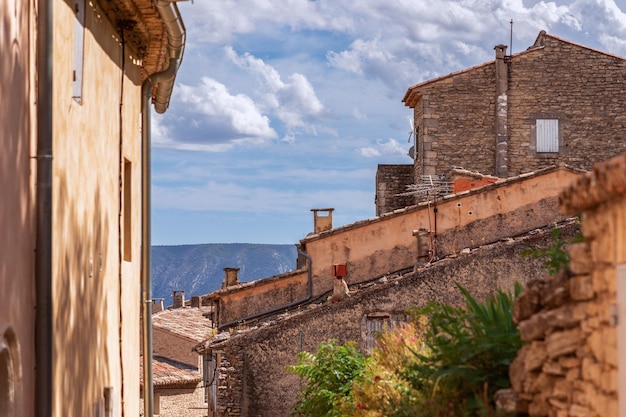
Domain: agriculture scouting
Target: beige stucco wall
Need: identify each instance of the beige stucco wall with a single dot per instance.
(17, 240)
(383, 245)
(96, 341)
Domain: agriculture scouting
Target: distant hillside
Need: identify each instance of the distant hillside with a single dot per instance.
(199, 269)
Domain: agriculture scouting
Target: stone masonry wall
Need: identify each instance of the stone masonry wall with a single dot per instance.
(570, 365)
(458, 123)
(392, 180)
(582, 88)
(253, 380)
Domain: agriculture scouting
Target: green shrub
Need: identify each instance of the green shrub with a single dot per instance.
(329, 374)
(470, 350)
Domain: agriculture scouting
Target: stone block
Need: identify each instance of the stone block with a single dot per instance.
(552, 368)
(591, 371)
(517, 371)
(579, 411)
(562, 390)
(581, 288)
(563, 342)
(580, 258)
(542, 384)
(539, 407)
(534, 328)
(536, 356)
(529, 302)
(609, 381)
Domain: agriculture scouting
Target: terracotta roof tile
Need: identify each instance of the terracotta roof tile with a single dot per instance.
(188, 322)
(168, 372)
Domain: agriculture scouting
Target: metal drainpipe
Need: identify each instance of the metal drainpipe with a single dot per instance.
(43, 252)
(283, 307)
(176, 36)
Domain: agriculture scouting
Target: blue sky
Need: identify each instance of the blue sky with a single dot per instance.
(282, 106)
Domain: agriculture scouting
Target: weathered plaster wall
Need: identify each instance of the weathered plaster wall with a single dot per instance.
(177, 401)
(17, 205)
(174, 347)
(386, 244)
(570, 366)
(253, 380)
(96, 341)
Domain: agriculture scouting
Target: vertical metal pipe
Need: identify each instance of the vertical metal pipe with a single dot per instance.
(146, 281)
(43, 254)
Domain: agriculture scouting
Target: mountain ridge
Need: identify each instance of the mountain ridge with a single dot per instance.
(198, 269)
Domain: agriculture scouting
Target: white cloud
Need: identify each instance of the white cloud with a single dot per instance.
(293, 101)
(390, 147)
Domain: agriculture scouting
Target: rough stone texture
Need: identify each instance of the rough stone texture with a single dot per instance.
(582, 88)
(386, 244)
(390, 181)
(574, 316)
(253, 380)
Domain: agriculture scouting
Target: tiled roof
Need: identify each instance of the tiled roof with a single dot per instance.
(188, 322)
(168, 372)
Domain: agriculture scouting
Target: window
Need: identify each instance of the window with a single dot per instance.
(127, 209)
(79, 42)
(374, 324)
(547, 133)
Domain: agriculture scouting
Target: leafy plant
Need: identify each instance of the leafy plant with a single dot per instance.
(469, 353)
(329, 374)
(555, 256)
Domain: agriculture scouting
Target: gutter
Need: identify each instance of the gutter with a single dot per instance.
(283, 307)
(164, 81)
(43, 200)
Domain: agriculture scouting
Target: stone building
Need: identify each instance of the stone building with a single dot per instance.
(556, 102)
(397, 241)
(180, 375)
(251, 358)
(71, 206)
(574, 323)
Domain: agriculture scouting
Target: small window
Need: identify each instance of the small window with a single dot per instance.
(374, 324)
(127, 210)
(547, 135)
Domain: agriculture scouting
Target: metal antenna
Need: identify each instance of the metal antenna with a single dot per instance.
(511, 40)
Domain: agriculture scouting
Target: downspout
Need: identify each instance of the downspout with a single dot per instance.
(164, 80)
(283, 307)
(43, 200)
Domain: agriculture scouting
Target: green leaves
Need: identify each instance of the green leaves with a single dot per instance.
(329, 375)
(470, 349)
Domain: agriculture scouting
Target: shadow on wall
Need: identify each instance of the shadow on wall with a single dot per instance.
(16, 206)
(82, 297)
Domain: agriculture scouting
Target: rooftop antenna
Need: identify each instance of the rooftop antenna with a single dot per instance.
(511, 39)
(413, 133)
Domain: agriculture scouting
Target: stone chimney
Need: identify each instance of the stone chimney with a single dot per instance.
(231, 277)
(179, 299)
(196, 301)
(502, 89)
(322, 222)
(157, 305)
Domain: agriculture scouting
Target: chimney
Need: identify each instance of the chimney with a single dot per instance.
(179, 299)
(230, 277)
(322, 222)
(502, 89)
(157, 305)
(196, 301)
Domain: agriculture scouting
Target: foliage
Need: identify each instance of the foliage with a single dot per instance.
(469, 353)
(382, 390)
(555, 256)
(448, 361)
(329, 374)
